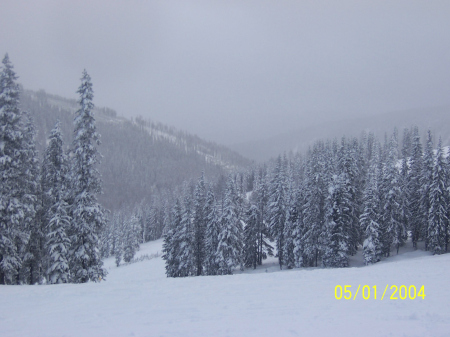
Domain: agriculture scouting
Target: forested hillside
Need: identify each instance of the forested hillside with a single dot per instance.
(141, 158)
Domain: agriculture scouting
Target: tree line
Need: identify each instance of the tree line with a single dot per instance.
(50, 220)
(315, 209)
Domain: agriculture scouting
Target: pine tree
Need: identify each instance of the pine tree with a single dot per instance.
(131, 238)
(185, 239)
(171, 244)
(277, 210)
(260, 196)
(290, 220)
(229, 252)
(439, 200)
(414, 188)
(199, 224)
(425, 183)
(13, 208)
(371, 215)
(313, 209)
(55, 209)
(251, 237)
(393, 230)
(32, 254)
(58, 244)
(212, 233)
(88, 217)
(338, 215)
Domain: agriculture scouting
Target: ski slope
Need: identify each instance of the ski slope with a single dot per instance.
(138, 300)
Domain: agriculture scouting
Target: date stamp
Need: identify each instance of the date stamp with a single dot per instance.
(370, 292)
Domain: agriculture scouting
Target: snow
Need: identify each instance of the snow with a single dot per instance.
(138, 300)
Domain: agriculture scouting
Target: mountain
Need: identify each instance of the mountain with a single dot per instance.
(141, 158)
(436, 119)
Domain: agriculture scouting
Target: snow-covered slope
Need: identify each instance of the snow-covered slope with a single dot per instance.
(138, 300)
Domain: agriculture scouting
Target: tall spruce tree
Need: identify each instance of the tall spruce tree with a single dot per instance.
(185, 238)
(426, 180)
(414, 188)
(277, 210)
(88, 217)
(14, 204)
(31, 271)
(212, 233)
(371, 216)
(199, 224)
(439, 201)
(229, 252)
(336, 238)
(393, 230)
(55, 209)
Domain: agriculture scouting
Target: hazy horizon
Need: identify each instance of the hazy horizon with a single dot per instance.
(235, 71)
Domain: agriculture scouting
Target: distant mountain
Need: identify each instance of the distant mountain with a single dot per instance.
(140, 158)
(435, 119)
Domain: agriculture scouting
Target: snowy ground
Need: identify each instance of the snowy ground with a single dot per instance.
(138, 300)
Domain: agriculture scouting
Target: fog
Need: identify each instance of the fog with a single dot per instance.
(235, 71)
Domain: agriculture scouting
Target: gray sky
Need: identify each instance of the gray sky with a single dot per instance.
(233, 71)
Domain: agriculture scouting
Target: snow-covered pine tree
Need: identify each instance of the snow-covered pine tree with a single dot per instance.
(414, 188)
(171, 245)
(229, 252)
(338, 215)
(313, 208)
(290, 220)
(31, 271)
(55, 209)
(371, 215)
(404, 177)
(439, 205)
(349, 180)
(199, 224)
(299, 227)
(425, 183)
(131, 238)
(392, 229)
(260, 196)
(251, 237)
(212, 233)
(118, 224)
(185, 238)
(88, 217)
(13, 208)
(277, 210)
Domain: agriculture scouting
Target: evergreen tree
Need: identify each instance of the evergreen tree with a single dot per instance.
(185, 238)
(32, 254)
(199, 224)
(212, 233)
(277, 210)
(371, 216)
(338, 215)
(14, 210)
(229, 252)
(313, 209)
(88, 217)
(131, 238)
(251, 237)
(414, 188)
(55, 209)
(290, 220)
(425, 183)
(171, 244)
(393, 230)
(58, 244)
(439, 200)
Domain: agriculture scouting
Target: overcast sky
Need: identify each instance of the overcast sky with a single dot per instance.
(233, 71)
